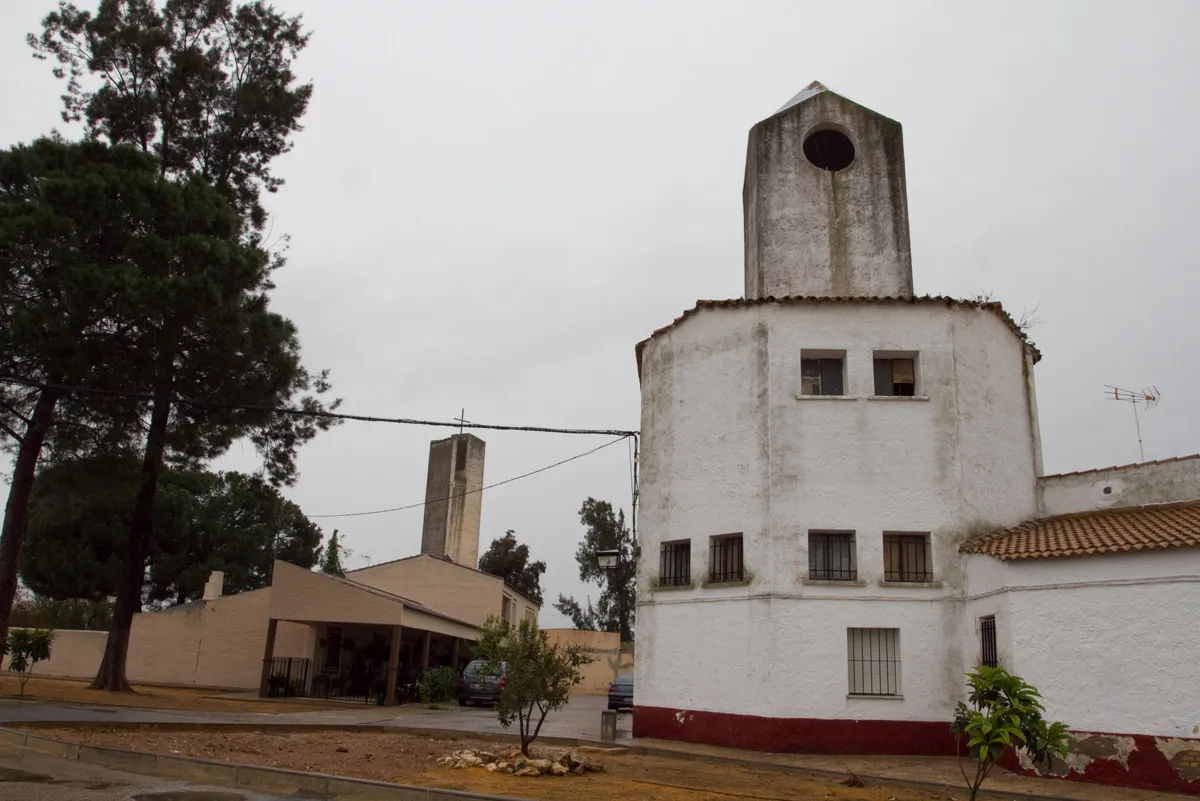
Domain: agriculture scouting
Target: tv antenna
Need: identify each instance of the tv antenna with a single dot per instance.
(1147, 397)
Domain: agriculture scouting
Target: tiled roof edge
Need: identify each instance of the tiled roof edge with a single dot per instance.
(1092, 470)
(978, 543)
(991, 306)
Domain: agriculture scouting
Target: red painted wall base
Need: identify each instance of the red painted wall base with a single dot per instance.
(796, 735)
(1154, 763)
(1148, 765)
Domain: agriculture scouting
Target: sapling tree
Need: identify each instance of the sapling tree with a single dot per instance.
(1004, 712)
(538, 676)
(27, 647)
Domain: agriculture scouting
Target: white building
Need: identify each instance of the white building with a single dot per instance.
(838, 484)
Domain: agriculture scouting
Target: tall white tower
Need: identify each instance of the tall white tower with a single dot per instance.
(826, 212)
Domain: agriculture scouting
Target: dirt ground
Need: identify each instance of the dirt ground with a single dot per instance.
(411, 760)
(77, 692)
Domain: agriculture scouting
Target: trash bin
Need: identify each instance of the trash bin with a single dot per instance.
(608, 726)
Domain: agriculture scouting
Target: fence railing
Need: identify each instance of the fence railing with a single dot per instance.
(289, 677)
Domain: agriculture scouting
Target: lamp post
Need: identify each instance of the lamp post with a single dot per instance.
(607, 560)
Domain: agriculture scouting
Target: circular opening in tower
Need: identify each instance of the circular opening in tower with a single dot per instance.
(829, 149)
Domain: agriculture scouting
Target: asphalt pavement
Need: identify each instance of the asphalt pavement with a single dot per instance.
(29, 777)
(579, 719)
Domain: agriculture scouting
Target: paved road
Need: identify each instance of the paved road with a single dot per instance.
(27, 777)
(578, 719)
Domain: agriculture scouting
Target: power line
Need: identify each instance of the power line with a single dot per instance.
(294, 412)
(481, 489)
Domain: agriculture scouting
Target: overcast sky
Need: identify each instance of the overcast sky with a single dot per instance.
(491, 203)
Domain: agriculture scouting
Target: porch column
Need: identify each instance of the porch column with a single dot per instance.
(454, 653)
(389, 697)
(425, 638)
(264, 682)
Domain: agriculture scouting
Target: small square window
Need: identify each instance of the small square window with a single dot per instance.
(988, 653)
(831, 556)
(821, 373)
(874, 661)
(906, 558)
(675, 563)
(725, 558)
(895, 375)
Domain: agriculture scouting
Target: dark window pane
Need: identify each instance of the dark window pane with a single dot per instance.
(987, 646)
(906, 557)
(883, 376)
(831, 376)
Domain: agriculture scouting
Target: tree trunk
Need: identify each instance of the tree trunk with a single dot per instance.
(17, 508)
(111, 675)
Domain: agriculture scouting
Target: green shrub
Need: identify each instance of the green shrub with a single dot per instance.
(1005, 713)
(438, 684)
(25, 648)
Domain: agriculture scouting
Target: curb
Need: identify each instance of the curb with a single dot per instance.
(291, 781)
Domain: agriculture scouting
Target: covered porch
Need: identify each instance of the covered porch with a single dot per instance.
(369, 645)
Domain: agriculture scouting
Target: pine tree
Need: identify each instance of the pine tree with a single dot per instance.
(208, 89)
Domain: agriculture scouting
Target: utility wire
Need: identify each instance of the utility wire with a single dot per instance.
(294, 412)
(481, 489)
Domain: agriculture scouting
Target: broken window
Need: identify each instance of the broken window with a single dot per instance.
(895, 377)
(821, 376)
(906, 558)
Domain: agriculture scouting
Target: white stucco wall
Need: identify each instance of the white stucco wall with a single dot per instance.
(728, 446)
(1112, 641)
(1133, 485)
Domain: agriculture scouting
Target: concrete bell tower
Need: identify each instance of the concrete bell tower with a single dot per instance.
(826, 211)
(453, 500)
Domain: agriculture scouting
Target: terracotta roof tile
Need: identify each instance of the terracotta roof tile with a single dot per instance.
(925, 300)
(1130, 528)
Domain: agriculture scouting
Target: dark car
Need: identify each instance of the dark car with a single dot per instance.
(620, 692)
(477, 687)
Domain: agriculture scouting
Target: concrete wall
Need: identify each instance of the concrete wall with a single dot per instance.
(729, 445)
(74, 655)
(1132, 485)
(217, 643)
(810, 231)
(604, 647)
(1111, 641)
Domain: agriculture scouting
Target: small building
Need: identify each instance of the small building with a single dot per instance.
(313, 634)
(844, 506)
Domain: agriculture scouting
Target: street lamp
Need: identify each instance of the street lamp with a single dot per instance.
(607, 560)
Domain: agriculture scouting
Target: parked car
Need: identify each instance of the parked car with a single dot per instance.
(477, 687)
(620, 692)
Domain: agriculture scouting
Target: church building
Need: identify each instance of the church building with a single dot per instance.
(843, 506)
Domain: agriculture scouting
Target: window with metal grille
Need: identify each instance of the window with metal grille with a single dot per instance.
(831, 556)
(988, 655)
(675, 563)
(895, 376)
(821, 376)
(906, 557)
(874, 656)
(725, 558)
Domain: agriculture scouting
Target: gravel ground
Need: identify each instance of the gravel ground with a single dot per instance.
(407, 759)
